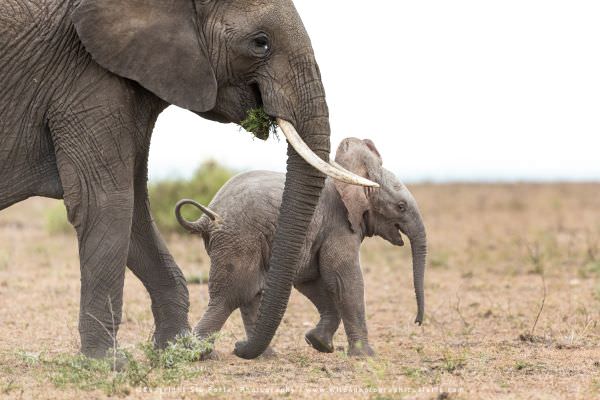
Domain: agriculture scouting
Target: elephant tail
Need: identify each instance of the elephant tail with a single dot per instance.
(196, 226)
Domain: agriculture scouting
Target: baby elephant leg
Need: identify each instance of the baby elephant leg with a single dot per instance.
(321, 336)
(249, 316)
(212, 321)
(350, 294)
(340, 270)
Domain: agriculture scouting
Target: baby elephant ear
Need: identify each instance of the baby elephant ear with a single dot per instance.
(356, 202)
(371, 146)
(362, 158)
(153, 42)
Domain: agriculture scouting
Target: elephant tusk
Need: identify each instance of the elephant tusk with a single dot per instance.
(334, 171)
(338, 166)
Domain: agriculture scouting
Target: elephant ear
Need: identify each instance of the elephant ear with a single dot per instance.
(153, 42)
(362, 158)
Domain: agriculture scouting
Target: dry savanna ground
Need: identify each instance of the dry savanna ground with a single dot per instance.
(500, 256)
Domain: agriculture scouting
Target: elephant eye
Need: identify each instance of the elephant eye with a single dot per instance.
(261, 45)
(402, 206)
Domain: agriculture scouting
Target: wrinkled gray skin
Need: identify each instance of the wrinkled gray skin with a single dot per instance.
(239, 245)
(82, 83)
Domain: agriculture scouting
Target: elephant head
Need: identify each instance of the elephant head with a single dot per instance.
(219, 59)
(385, 211)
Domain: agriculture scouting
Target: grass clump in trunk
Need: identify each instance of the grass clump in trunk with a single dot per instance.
(259, 124)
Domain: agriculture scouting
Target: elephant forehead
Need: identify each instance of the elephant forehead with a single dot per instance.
(278, 16)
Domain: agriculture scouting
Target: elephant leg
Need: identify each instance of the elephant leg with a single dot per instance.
(232, 282)
(211, 323)
(249, 313)
(98, 194)
(150, 260)
(341, 273)
(103, 242)
(321, 337)
(214, 318)
(350, 293)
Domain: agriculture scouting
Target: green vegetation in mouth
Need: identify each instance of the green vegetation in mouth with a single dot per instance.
(259, 124)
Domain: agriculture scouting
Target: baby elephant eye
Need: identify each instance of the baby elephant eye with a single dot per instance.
(402, 206)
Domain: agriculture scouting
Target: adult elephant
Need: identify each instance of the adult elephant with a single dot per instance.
(82, 83)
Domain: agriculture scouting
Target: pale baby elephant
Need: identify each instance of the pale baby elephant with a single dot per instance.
(238, 229)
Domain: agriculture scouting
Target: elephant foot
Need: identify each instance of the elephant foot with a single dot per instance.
(117, 360)
(209, 352)
(361, 350)
(168, 331)
(162, 338)
(319, 341)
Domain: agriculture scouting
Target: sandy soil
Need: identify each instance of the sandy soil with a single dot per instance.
(493, 249)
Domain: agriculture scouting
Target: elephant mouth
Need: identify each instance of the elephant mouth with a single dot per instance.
(234, 102)
(250, 98)
(398, 241)
(257, 98)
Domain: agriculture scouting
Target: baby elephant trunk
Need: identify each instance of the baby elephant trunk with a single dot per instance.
(418, 244)
(195, 226)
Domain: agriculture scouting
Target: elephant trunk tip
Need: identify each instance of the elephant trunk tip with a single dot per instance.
(242, 350)
(418, 243)
(419, 319)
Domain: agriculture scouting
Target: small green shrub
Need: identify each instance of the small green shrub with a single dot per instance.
(202, 186)
(197, 279)
(148, 367)
(186, 349)
(56, 220)
(589, 269)
(526, 367)
(593, 267)
(86, 374)
(453, 361)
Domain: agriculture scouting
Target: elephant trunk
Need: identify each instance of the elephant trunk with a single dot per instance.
(301, 194)
(418, 244)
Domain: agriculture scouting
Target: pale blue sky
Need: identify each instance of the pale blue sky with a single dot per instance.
(447, 90)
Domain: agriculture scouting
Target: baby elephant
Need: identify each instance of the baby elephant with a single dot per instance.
(238, 230)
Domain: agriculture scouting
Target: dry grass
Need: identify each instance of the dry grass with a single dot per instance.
(490, 248)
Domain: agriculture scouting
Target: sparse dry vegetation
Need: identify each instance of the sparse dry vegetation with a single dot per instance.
(490, 247)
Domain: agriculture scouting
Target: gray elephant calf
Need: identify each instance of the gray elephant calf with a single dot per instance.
(238, 230)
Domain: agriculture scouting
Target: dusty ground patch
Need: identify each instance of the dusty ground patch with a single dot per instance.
(490, 248)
